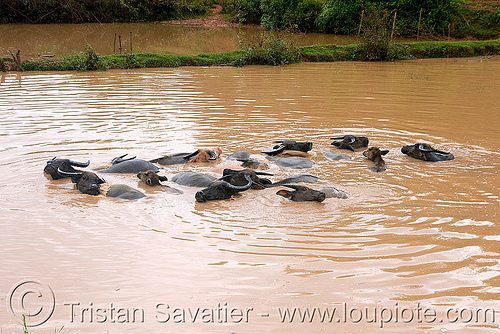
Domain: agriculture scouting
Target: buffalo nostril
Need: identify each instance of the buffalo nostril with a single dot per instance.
(321, 197)
(199, 196)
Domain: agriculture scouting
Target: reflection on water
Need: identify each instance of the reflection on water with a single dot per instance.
(418, 234)
(65, 39)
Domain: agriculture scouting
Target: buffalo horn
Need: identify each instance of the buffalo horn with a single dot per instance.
(277, 151)
(241, 188)
(119, 159)
(213, 155)
(189, 156)
(264, 173)
(338, 137)
(422, 148)
(60, 171)
(79, 164)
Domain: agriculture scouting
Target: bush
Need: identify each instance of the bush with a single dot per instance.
(340, 16)
(294, 14)
(376, 35)
(271, 50)
(243, 11)
(80, 11)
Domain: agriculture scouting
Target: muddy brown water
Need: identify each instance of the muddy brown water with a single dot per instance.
(65, 39)
(413, 249)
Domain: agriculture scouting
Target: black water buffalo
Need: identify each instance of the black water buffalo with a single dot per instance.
(350, 142)
(152, 179)
(89, 183)
(240, 178)
(124, 165)
(63, 164)
(426, 152)
(201, 155)
(290, 145)
(301, 194)
(219, 190)
(292, 162)
(193, 179)
(375, 154)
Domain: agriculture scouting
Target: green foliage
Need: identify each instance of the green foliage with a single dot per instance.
(436, 14)
(294, 14)
(270, 50)
(79, 11)
(243, 11)
(340, 16)
(376, 35)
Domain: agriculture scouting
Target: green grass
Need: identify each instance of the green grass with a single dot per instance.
(317, 53)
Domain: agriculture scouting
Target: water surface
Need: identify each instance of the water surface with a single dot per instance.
(418, 235)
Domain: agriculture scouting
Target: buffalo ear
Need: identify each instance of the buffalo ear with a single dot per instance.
(163, 178)
(284, 193)
(384, 152)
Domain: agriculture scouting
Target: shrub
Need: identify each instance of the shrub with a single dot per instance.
(243, 11)
(270, 50)
(340, 16)
(376, 35)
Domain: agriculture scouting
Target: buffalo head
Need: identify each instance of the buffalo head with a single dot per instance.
(290, 145)
(63, 164)
(375, 154)
(350, 142)
(301, 194)
(86, 182)
(151, 178)
(204, 155)
(221, 190)
(426, 152)
(240, 178)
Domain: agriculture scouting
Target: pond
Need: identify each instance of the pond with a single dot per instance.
(414, 249)
(60, 40)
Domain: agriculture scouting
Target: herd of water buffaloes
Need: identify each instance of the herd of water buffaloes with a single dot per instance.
(287, 153)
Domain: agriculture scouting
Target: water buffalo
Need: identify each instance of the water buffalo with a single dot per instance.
(375, 154)
(240, 178)
(301, 194)
(350, 142)
(426, 152)
(89, 183)
(292, 162)
(151, 178)
(124, 165)
(63, 164)
(331, 192)
(336, 156)
(219, 190)
(246, 160)
(201, 155)
(193, 179)
(290, 145)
